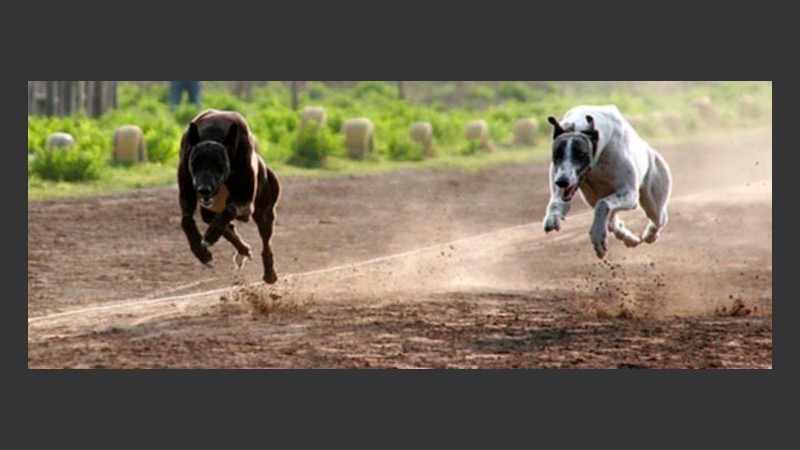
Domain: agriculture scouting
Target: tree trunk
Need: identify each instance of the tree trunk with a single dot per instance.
(82, 87)
(113, 87)
(40, 96)
(31, 97)
(51, 98)
(89, 105)
(97, 106)
(59, 109)
(66, 98)
(401, 90)
(109, 96)
(106, 97)
(76, 97)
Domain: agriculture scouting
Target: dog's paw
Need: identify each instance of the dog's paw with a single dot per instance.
(599, 242)
(240, 258)
(650, 238)
(203, 255)
(552, 223)
(650, 234)
(270, 277)
(631, 241)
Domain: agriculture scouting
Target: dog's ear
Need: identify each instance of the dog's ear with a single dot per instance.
(231, 138)
(557, 129)
(592, 132)
(194, 134)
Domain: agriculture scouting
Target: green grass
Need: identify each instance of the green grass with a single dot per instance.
(114, 179)
(337, 166)
(120, 179)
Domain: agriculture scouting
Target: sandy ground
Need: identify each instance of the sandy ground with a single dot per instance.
(417, 269)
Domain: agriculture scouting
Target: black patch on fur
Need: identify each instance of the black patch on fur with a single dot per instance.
(582, 150)
(557, 129)
(594, 136)
(559, 151)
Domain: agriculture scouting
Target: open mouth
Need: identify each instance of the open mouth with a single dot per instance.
(206, 201)
(568, 192)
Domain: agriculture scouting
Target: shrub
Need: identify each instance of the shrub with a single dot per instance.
(403, 149)
(68, 163)
(316, 90)
(222, 100)
(184, 113)
(479, 95)
(515, 90)
(472, 147)
(378, 88)
(335, 120)
(162, 140)
(311, 147)
(84, 160)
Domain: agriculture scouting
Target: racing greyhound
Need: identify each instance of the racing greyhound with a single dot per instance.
(596, 151)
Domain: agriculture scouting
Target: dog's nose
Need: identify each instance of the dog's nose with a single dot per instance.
(562, 183)
(204, 191)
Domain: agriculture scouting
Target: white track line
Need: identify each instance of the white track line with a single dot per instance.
(182, 287)
(146, 301)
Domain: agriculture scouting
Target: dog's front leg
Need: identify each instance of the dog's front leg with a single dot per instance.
(188, 203)
(219, 225)
(557, 209)
(603, 210)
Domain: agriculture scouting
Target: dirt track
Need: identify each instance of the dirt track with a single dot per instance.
(488, 288)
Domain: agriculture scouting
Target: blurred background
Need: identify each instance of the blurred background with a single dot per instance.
(103, 136)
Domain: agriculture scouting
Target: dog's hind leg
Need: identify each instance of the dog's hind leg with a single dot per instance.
(617, 226)
(658, 220)
(655, 193)
(604, 209)
(264, 217)
(265, 220)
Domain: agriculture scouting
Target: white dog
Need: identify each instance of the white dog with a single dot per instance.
(597, 151)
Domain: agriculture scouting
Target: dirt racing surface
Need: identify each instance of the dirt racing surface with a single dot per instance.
(432, 269)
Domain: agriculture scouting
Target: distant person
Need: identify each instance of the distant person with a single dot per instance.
(176, 89)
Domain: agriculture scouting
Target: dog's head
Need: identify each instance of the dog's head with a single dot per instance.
(209, 162)
(573, 155)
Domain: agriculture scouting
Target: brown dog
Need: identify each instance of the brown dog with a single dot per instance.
(220, 167)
